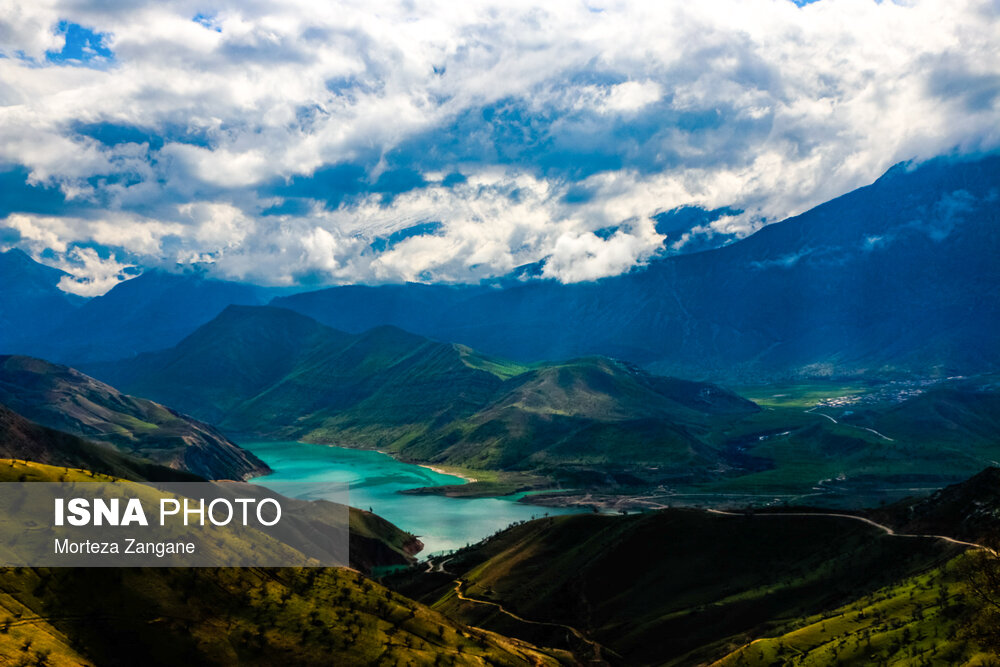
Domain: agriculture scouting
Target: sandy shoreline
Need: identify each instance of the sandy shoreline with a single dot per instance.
(470, 480)
(439, 471)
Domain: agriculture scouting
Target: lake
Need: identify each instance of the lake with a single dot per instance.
(374, 480)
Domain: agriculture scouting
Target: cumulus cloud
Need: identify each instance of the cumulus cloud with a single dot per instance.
(276, 141)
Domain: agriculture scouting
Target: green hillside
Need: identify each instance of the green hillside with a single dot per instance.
(591, 424)
(171, 617)
(25, 440)
(921, 620)
(274, 373)
(676, 586)
(269, 371)
(867, 441)
(229, 616)
(30, 453)
(63, 398)
(587, 412)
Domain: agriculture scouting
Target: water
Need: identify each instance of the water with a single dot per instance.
(374, 479)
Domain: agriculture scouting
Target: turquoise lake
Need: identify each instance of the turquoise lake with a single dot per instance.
(374, 480)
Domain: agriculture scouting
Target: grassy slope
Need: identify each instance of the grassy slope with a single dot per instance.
(659, 586)
(586, 412)
(916, 621)
(589, 422)
(233, 616)
(163, 616)
(65, 399)
(23, 439)
(938, 437)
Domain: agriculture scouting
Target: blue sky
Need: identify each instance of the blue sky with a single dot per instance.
(285, 142)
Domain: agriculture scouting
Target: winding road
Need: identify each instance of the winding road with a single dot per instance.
(598, 648)
(811, 410)
(886, 529)
(597, 659)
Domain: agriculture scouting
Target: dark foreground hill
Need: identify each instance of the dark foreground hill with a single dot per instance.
(65, 399)
(968, 511)
(275, 373)
(685, 587)
(168, 617)
(896, 277)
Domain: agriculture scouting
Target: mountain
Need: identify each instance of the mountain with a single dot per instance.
(260, 370)
(686, 587)
(63, 398)
(592, 411)
(30, 301)
(272, 372)
(896, 277)
(24, 440)
(150, 312)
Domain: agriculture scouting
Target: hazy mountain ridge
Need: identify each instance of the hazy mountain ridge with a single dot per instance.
(895, 277)
(65, 399)
(150, 312)
(30, 299)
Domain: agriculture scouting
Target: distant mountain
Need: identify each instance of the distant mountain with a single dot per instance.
(63, 398)
(30, 299)
(150, 312)
(261, 370)
(275, 373)
(897, 277)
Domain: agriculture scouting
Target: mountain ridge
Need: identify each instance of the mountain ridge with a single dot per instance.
(418, 398)
(891, 278)
(63, 398)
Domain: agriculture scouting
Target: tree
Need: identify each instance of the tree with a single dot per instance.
(981, 571)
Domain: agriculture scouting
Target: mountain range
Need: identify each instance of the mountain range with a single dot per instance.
(270, 372)
(149, 312)
(896, 277)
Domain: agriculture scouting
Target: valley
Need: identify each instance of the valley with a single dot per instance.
(782, 450)
(378, 482)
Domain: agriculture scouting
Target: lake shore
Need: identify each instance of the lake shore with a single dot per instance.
(442, 471)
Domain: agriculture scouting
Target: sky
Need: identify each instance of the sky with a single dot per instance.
(305, 143)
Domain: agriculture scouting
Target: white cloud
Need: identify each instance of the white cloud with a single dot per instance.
(97, 275)
(631, 96)
(755, 104)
